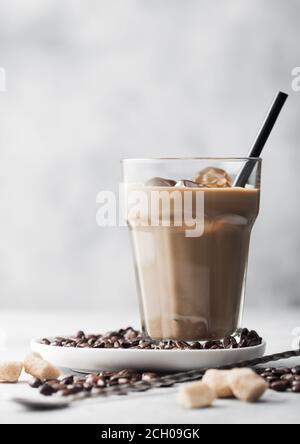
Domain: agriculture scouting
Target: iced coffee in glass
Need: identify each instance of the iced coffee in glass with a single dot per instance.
(191, 278)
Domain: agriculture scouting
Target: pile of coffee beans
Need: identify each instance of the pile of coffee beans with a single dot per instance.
(92, 383)
(282, 379)
(131, 338)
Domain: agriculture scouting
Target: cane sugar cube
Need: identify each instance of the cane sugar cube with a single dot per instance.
(217, 380)
(10, 371)
(37, 367)
(246, 385)
(196, 395)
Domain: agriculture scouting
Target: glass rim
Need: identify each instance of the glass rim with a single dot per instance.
(161, 159)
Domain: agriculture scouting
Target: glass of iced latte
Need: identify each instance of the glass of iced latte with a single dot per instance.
(190, 229)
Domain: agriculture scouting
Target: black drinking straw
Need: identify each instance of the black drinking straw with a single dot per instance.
(261, 139)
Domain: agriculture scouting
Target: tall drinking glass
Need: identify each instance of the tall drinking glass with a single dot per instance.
(190, 278)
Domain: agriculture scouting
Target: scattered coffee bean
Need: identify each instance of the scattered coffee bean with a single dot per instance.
(68, 380)
(288, 377)
(149, 376)
(296, 370)
(271, 379)
(281, 371)
(279, 386)
(266, 374)
(46, 389)
(269, 369)
(35, 383)
(296, 387)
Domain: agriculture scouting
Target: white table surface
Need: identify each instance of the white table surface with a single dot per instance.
(156, 406)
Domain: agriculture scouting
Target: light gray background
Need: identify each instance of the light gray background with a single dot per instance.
(92, 81)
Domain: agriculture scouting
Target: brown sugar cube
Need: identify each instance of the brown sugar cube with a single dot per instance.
(10, 371)
(246, 385)
(217, 380)
(196, 395)
(37, 367)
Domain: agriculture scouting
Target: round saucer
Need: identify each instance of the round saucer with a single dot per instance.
(90, 360)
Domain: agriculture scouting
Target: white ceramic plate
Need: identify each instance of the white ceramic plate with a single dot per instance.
(89, 360)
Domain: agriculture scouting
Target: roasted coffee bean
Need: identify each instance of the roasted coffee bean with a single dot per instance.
(144, 343)
(35, 383)
(266, 374)
(46, 390)
(98, 345)
(123, 381)
(46, 341)
(269, 369)
(227, 342)
(149, 376)
(181, 345)
(234, 343)
(92, 379)
(279, 386)
(80, 334)
(296, 370)
(209, 344)
(68, 380)
(259, 370)
(244, 333)
(288, 377)
(296, 387)
(243, 343)
(77, 388)
(280, 371)
(271, 379)
(196, 346)
(253, 335)
(83, 344)
(89, 337)
(101, 382)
